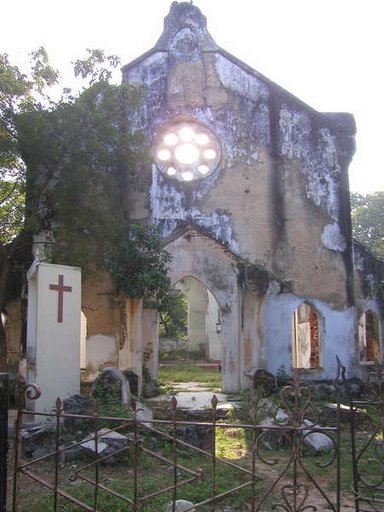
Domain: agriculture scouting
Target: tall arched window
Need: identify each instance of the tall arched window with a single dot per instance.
(369, 337)
(306, 337)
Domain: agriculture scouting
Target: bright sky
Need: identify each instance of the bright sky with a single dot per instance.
(328, 53)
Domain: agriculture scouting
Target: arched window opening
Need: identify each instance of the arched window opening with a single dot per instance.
(306, 337)
(369, 337)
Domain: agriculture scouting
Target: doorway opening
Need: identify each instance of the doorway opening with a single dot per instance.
(190, 346)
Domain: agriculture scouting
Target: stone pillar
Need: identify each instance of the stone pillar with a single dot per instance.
(232, 365)
(53, 332)
(150, 337)
(130, 348)
(213, 329)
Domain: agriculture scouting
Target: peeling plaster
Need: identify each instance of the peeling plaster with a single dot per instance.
(323, 173)
(338, 329)
(332, 238)
(151, 74)
(322, 167)
(239, 81)
(295, 128)
(168, 208)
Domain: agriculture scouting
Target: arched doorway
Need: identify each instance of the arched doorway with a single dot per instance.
(190, 349)
(196, 255)
(191, 326)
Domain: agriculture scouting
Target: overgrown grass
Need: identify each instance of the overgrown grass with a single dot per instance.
(186, 372)
(153, 476)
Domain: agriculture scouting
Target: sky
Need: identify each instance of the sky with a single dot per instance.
(328, 53)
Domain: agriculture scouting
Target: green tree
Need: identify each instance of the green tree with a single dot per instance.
(368, 221)
(174, 316)
(18, 94)
(82, 159)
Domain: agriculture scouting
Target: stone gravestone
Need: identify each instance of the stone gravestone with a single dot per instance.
(53, 332)
(112, 376)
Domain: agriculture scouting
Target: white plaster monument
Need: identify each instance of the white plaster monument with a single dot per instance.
(53, 332)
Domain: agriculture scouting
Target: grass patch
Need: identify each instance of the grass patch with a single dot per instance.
(184, 372)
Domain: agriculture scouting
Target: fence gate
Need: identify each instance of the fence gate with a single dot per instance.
(148, 465)
(367, 443)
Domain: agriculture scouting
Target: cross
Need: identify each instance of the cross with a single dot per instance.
(60, 288)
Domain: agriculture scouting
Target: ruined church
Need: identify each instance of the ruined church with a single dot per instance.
(249, 186)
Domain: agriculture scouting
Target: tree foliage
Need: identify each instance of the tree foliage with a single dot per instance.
(82, 159)
(368, 221)
(139, 265)
(174, 316)
(18, 94)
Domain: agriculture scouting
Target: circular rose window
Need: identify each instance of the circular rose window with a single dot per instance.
(187, 151)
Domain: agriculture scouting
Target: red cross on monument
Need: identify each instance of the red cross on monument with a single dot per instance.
(60, 288)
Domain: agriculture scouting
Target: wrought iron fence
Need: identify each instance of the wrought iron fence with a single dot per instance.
(162, 461)
(367, 443)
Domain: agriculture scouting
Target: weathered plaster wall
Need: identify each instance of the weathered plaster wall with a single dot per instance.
(101, 352)
(279, 199)
(337, 334)
(280, 194)
(368, 275)
(99, 302)
(252, 333)
(101, 310)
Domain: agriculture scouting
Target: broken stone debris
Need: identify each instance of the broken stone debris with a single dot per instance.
(108, 443)
(76, 404)
(197, 435)
(265, 380)
(317, 442)
(37, 440)
(144, 414)
(281, 417)
(272, 439)
(180, 506)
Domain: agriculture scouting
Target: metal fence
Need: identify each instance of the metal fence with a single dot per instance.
(162, 461)
(367, 445)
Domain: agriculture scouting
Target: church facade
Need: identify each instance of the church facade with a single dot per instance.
(250, 190)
